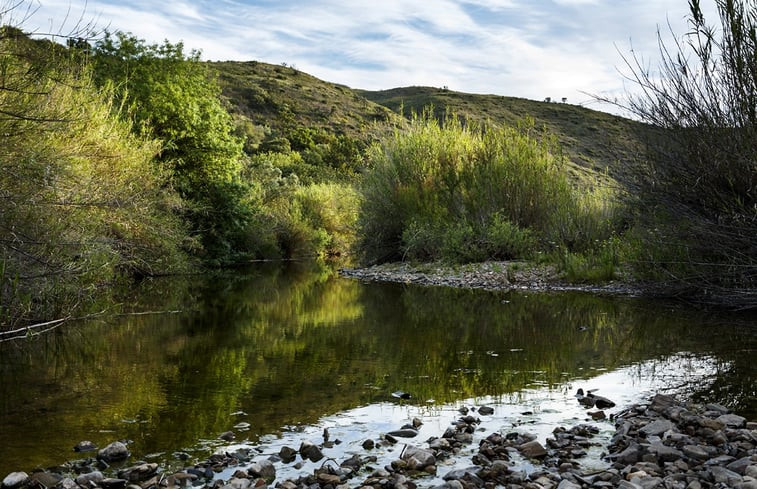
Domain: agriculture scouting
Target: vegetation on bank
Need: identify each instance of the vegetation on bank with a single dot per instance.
(122, 160)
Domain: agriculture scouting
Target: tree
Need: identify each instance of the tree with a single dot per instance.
(698, 191)
(174, 97)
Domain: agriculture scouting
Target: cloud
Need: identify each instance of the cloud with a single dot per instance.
(526, 48)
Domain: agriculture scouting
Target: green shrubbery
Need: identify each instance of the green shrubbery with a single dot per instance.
(83, 203)
(443, 190)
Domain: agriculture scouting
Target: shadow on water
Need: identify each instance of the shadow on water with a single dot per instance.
(288, 345)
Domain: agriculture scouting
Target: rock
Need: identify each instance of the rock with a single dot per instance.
(15, 479)
(138, 473)
(404, 433)
(532, 449)
(695, 452)
(287, 454)
(739, 466)
(85, 480)
(113, 452)
(418, 458)
(326, 478)
(732, 420)
(45, 479)
(751, 471)
(629, 456)
(725, 476)
(113, 483)
(657, 427)
(85, 446)
(661, 402)
(310, 451)
(369, 444)
(485, 410)
(263, 469)
(664, 453)
(468, 475)
(227, 436)
(566, 484)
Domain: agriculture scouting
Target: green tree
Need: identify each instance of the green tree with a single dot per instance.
(175, 98)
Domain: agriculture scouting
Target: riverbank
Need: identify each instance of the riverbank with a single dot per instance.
(661, 443)
(493, 275)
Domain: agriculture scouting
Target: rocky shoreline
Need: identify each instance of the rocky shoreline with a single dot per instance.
(663, 443)
(500, 275)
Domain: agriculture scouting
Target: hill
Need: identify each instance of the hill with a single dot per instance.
(277, 97)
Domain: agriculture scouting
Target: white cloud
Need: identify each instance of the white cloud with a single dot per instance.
(526, 48)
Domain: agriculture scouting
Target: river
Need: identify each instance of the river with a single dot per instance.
(292, 349)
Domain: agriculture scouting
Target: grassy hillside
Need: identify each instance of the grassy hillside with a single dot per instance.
(279, 98)
(593, 140)
(276, 98)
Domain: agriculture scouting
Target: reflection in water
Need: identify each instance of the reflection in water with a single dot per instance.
(290, 345)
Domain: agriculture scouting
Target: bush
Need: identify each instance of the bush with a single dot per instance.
(698, 197)
(469, 193)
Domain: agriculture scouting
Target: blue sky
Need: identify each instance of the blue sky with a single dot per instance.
(525, 48)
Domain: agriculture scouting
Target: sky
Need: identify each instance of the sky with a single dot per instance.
(524, 48)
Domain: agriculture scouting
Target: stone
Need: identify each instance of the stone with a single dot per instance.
(732, 420)
(657, 427)
(227, 436)
(404, 433)
(138, 473)
(95, 477)
(469, 475)
(113, 483)
(418, 458)
(263, 469)
(629, 456)
(629, 485)
(566, 484)
(310, 451)
(15, 479)
(326, 478)
(695, 452)
(485, 410)
(85, 446)
(665, 453)
(440, 444)
(287, 454)
(532, 449)
(369, 444)
(725, 476)
(46, 479)
(113, 452)
(751, 471)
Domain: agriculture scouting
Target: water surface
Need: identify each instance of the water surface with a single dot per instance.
(292, 349)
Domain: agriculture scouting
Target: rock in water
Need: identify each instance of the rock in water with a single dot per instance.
(15, 479)
(310, 451)
(114, 451)
(85, 446)
(401, 395)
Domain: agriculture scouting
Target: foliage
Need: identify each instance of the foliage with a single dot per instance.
(698, 192)
(174, 97)
(82, 202)
(467, 193)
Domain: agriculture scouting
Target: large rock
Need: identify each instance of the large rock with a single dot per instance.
(657, 427)
(263, 469)
(725, 476)
(139, 472)
(95, 478)
(732, 420)
(533, 449)
(113, 452)
(15, 479)
(310, 451)
(418, 458)
(404, 433)
(45, 479)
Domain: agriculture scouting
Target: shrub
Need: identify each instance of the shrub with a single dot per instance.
(470, 193)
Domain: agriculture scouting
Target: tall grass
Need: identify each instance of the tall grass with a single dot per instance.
(445, 189)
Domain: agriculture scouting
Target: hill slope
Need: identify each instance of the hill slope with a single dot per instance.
(280, 97)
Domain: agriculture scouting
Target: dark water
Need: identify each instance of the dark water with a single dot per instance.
(292, 349)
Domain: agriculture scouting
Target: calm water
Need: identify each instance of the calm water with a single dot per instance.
(293, 349)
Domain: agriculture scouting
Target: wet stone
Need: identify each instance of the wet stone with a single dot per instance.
(113, 452)
(85, 446)
(657, 427)
(46, 479)
(732, 420)
(15, 479)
